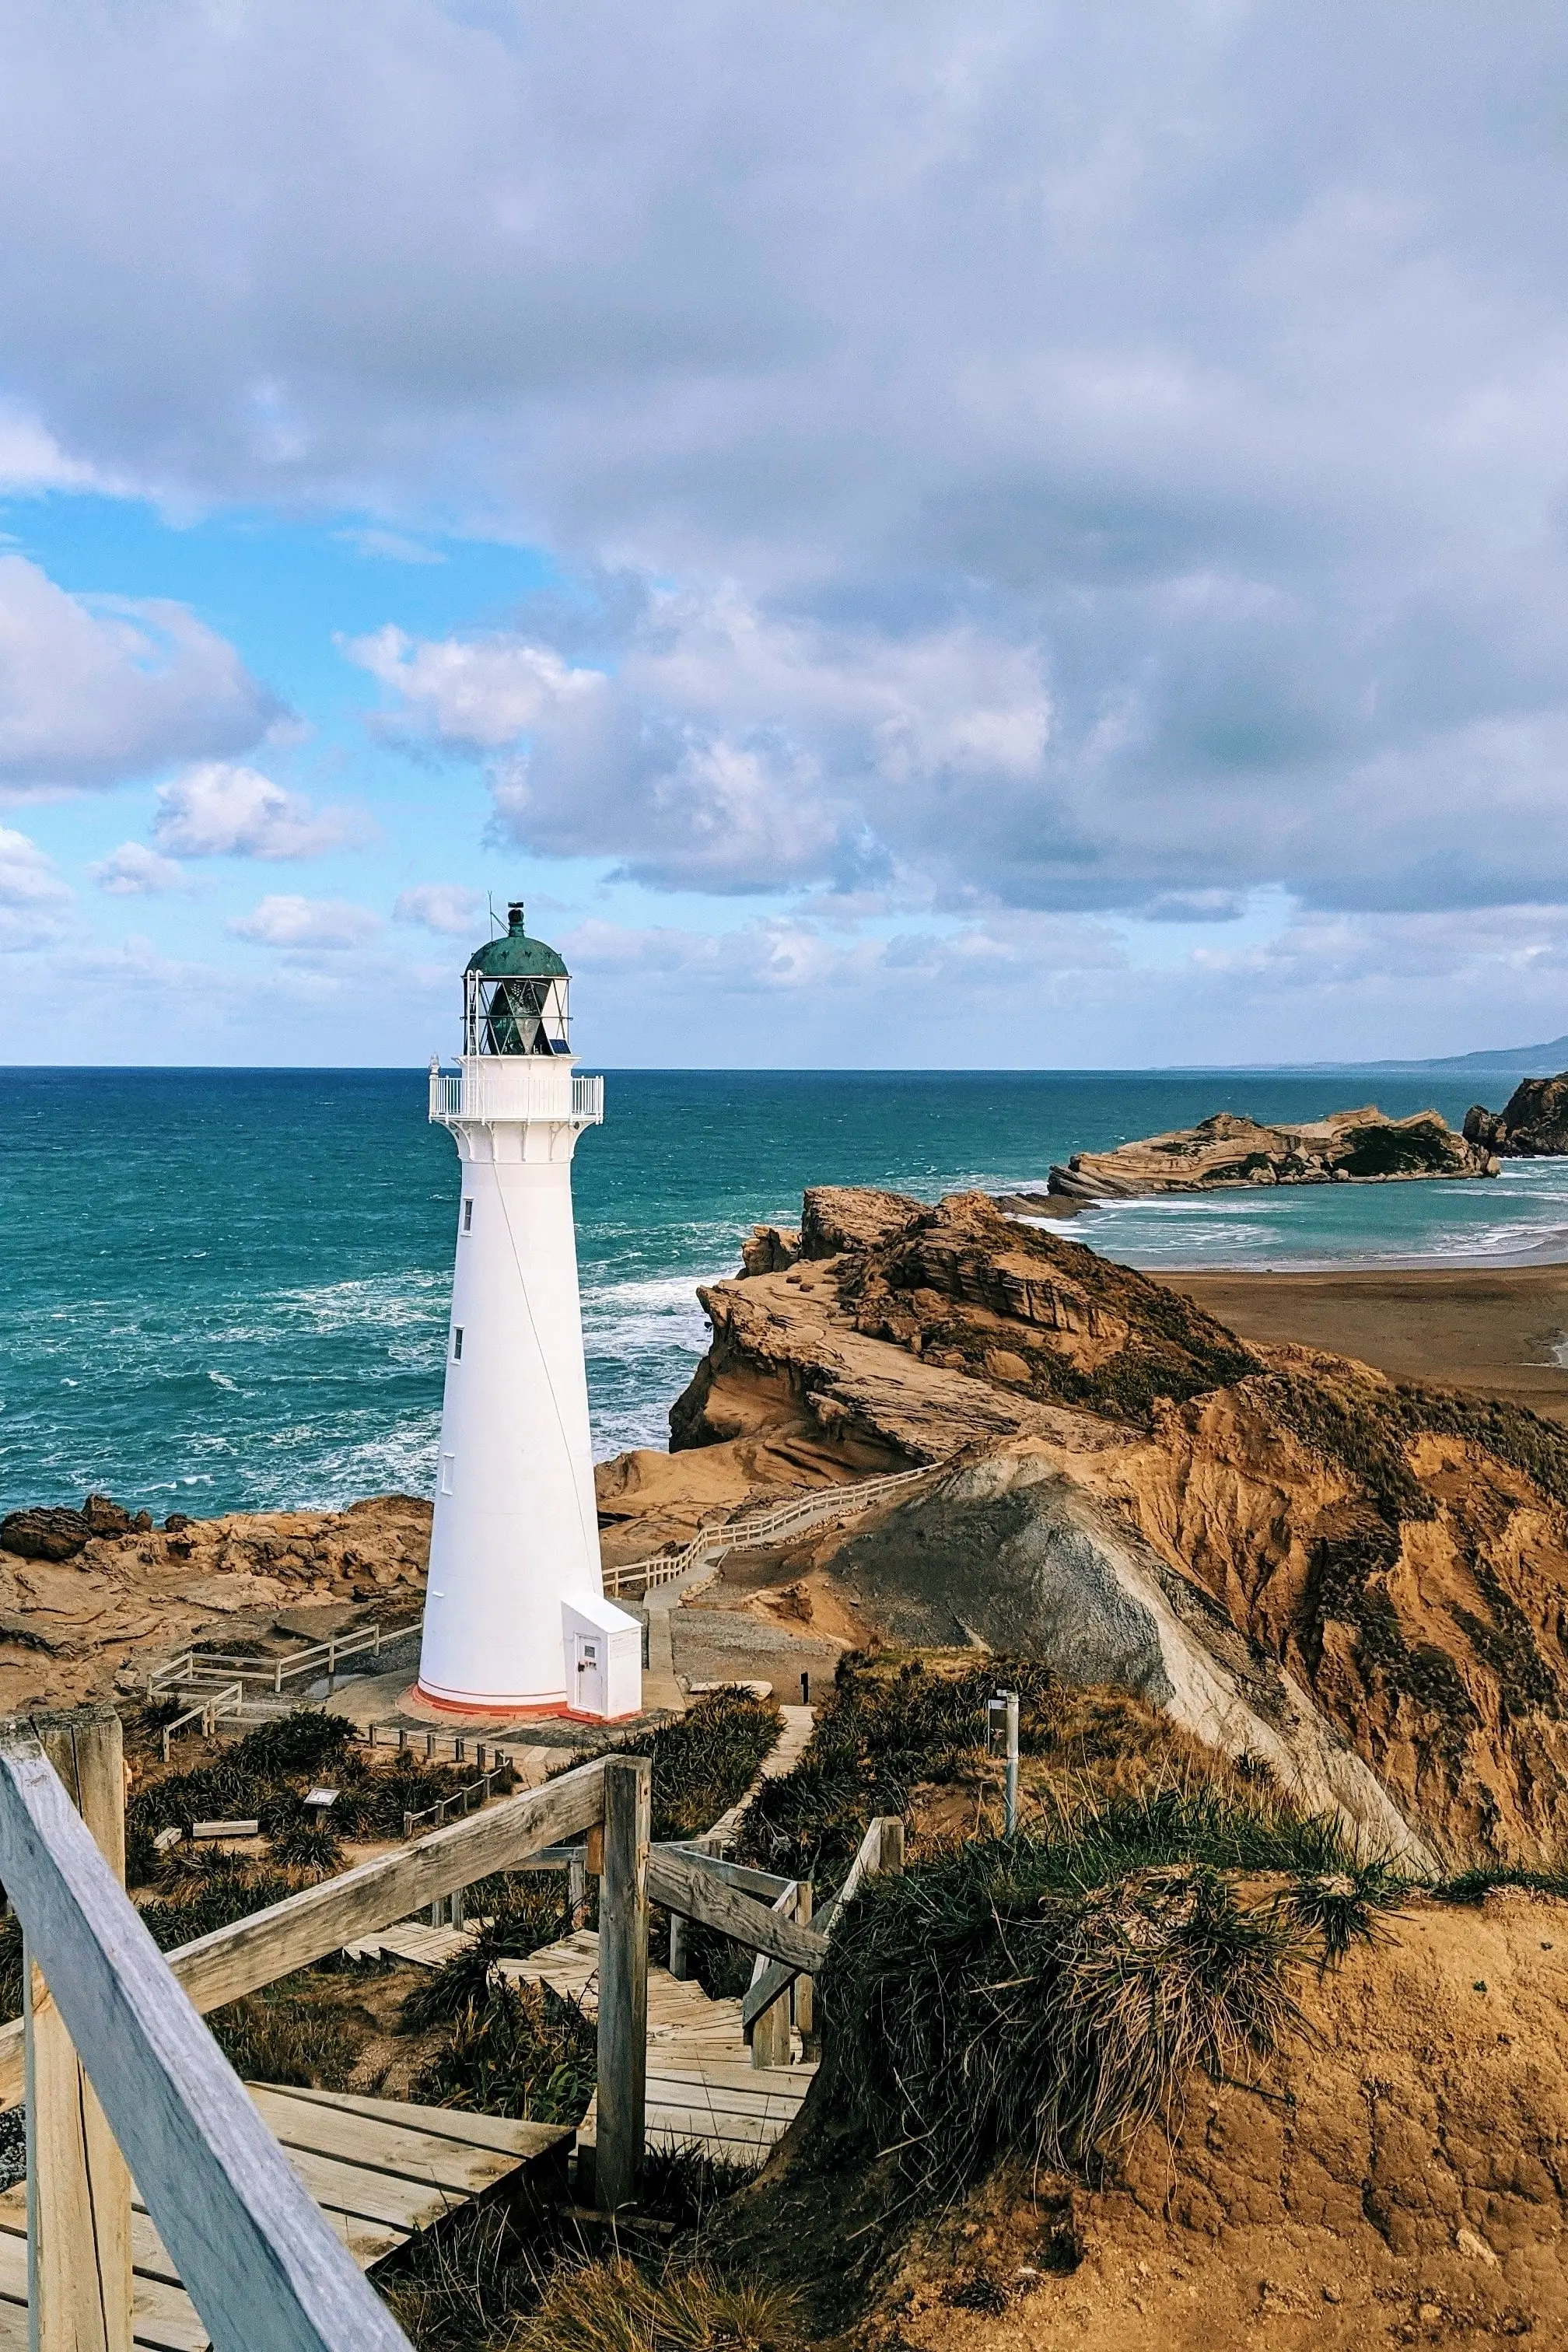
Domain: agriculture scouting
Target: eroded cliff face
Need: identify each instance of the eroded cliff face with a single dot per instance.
(1398, 1556)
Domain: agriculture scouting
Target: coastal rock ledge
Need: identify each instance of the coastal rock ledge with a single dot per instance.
(1348, 1147)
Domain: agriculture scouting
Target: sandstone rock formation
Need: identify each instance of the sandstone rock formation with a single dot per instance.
(1531, 1125)
(90, 1616)
(1391, 1560)
(1348, 1147)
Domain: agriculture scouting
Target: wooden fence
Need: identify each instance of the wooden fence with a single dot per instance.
(766, 1525)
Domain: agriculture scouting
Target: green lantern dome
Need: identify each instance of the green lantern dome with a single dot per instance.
(514, 956)
(515, 994)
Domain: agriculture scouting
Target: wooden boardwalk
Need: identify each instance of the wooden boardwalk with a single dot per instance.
(702, 2088)
(379, 2169)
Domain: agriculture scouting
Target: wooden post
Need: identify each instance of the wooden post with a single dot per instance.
(769, 2034)
(891, 1862)
(576, 1890)
(804, 2014)
(679, 1966)
(78, 2186)
(623, 1981)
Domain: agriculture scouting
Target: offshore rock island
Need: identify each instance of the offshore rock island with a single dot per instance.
(1347, 1147)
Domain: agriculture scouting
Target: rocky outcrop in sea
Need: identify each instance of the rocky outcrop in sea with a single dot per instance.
(1531, 1125)
(1347, 1147)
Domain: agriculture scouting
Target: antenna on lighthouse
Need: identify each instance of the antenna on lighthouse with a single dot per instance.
(515, 1618)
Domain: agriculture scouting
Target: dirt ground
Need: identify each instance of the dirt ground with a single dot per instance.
(1396, 2175)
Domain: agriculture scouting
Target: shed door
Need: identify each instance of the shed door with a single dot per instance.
(590, 1676)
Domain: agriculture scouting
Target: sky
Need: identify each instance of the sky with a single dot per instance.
(911, 535)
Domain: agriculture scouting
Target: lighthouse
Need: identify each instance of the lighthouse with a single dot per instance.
(515, 1615)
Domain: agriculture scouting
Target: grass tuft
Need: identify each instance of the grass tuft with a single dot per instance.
(616, 2307)
(1047, 1996)
(515, 2050)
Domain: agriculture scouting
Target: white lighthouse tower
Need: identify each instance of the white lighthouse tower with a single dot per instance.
(515, 1616)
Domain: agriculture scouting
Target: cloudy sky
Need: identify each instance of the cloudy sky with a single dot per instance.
(913, 535)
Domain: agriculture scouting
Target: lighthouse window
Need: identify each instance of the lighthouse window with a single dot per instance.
(458, 1345)
(467, 1216)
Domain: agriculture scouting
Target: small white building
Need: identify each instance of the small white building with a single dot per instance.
(515, 1614)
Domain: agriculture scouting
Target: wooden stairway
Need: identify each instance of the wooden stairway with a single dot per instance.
(702, 2088)
(379, 2168)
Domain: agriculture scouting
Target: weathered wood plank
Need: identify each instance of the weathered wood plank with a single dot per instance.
(162, 2316)
(527, 2142)
(259, 2260)
(623, 1980)
(289, 1934)
(371, 2144)
(79, 2185)
(681, 1884)
(766, 1885)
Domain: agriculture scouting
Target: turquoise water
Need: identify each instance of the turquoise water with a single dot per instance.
(227, 1290)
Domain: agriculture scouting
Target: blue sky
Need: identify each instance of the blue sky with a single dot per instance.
(911, 539)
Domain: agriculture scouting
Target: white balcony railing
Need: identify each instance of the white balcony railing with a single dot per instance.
(492, 1088)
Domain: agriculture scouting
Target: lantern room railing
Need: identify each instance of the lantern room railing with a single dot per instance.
(496, 1087)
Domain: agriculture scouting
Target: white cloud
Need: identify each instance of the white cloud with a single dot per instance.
(729, 748)
(94, 690)
(480, 693)
(221, 810)
(134, 871)
(31, 458)
(288, 921)
(34, 901)
(443, 907)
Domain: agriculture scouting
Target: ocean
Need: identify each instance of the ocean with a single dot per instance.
(227, 1290)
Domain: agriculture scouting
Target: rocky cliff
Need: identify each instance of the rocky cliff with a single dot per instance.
(91, 1599)
(1531, 1125)
(1348, 1147)
(1298, 1556)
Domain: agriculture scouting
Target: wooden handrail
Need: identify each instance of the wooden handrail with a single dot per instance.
(681, 1884)
(270, 1944)
(256, 2253)
(881, 1850)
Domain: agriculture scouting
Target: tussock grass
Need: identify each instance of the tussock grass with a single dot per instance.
(528, 1913)
(515, 2050)
(892, 1726)
(617, 2307)
(1047, 1996)
(284, 2040)
(312, 1848)
(702, 1761)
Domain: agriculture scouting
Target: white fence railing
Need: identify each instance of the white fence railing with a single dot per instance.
(217, 1680)
(763, 1525)
(501, 1087)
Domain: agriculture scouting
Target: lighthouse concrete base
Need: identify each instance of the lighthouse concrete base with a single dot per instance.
(421, 1707)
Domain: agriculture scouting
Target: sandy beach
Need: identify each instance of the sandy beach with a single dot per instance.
(1493, 1330)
